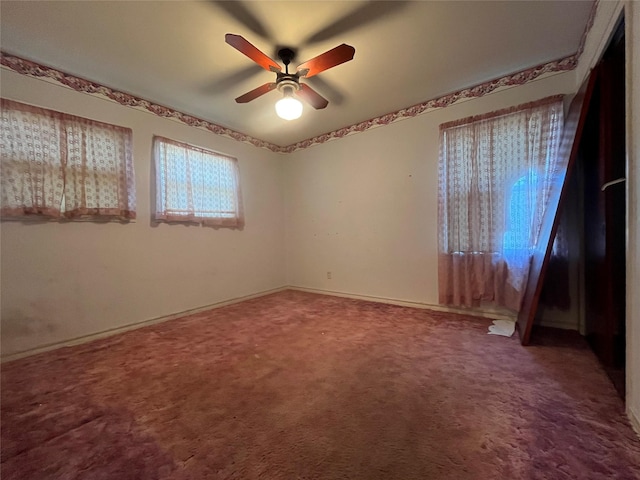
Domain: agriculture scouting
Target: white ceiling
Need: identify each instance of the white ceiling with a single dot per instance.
(173, 52)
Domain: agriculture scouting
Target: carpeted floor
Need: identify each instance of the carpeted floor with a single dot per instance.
(302, 386)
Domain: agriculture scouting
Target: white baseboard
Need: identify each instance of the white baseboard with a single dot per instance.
(132, 326)
(477, 312)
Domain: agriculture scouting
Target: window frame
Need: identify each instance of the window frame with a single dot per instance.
(509, 180)
(87, 166)
(187, 182)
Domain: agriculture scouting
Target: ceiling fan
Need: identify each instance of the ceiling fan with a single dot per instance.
(288, 83)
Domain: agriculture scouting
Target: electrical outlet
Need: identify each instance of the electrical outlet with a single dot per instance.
(328, 275)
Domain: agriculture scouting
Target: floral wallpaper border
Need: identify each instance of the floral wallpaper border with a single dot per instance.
(79, 84)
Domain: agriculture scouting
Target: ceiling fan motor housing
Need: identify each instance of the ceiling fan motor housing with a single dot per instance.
(286, 55)
(286, 82)
(287, 85)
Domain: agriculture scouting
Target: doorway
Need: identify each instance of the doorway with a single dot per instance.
(602, 162)
(585, 279)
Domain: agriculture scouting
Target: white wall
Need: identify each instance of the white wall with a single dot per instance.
(365, 207)
(63, 281)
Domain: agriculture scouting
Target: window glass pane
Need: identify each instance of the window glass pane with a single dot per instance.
(196, 185)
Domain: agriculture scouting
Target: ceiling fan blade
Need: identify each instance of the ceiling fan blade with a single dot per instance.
(255, 93)
(335, 96)
(243, 46)
(312, 97)
(336, 56)
(220, 85)
(238, 11)
(367, 13)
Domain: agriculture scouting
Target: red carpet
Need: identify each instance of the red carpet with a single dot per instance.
(302, 386)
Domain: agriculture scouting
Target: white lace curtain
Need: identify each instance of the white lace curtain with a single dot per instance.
(196, 185)
(495, 175)
(63, 166)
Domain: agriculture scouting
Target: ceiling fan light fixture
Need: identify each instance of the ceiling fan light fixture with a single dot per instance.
(288, 108)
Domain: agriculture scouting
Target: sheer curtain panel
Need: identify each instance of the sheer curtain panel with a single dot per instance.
(196, 185)
(495, 175)
(63, 166)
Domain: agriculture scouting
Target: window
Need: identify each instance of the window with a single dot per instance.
(62, 166)
(496, 173)
(196, 185)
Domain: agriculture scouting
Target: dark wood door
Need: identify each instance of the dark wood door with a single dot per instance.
(603, 158)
